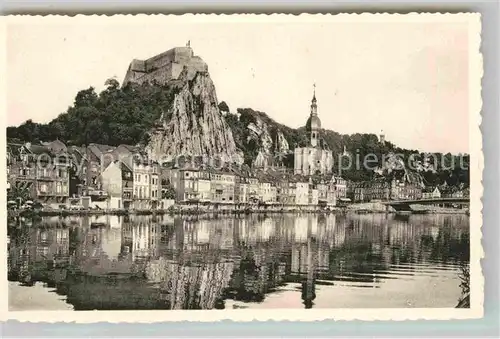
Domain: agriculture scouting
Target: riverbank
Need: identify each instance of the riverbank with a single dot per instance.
(185, 209)
(369, 207)
(379, 207)
(177, 210)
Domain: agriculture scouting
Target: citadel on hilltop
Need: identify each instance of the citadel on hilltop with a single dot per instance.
(165, 66)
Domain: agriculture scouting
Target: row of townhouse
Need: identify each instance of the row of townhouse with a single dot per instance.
(381, 189)
(445, 192)
(122, 177)
(112, 177)
(131, 180)
(44, 175)
(204, 185)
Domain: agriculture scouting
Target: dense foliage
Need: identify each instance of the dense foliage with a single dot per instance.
(115, 116)
(168, 191)
(452, 169)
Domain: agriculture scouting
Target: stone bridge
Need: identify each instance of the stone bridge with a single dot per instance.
(404, 205)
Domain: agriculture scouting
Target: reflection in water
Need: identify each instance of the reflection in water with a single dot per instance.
(144, 262)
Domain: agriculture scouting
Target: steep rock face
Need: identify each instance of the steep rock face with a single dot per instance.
(282, 143)
(193, 125)
(395, 167)
(260, 133)
(259, 137)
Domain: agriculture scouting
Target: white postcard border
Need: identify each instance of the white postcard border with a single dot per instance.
(476, 188)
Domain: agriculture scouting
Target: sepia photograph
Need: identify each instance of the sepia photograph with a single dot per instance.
(285, 167)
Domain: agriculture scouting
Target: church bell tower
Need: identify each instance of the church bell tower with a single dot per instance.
(313, 125)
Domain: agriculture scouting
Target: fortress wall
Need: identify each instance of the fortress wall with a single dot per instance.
(161, 75)
(132, 76)
(198, 64)
(134, 72)
(175, 70)
(160, 60)
(165, 66)
(183, 54)
(138, 65)
(178, 55)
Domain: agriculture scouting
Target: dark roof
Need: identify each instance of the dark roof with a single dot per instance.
(14, 148)
(130, 148)
(39, 149)
(125, 166)
(103, 148)
(99, 149)
(428, 189)
(50, 144)
(77, 152)
(168, 164)
(313, 123)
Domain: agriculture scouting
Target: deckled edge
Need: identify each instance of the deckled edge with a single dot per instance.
(477, 283)
(476, 73)
(244, 16)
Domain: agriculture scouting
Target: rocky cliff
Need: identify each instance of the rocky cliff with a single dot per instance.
(193, 124)
(393, 166)
(261, 138)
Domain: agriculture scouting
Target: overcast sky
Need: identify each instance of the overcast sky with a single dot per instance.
(408, 78)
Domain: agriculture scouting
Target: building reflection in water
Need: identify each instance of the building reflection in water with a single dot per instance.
(144, 262)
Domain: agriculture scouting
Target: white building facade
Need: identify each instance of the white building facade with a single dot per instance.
(314, 158)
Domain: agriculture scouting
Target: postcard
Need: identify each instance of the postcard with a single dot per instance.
(242, 167)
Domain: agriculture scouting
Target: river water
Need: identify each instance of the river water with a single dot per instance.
(256, 261)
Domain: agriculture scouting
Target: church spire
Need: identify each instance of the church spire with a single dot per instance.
(314, 106)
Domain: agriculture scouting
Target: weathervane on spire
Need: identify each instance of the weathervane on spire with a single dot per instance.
(314, 92)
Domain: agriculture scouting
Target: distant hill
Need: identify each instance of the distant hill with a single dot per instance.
(255, 133)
